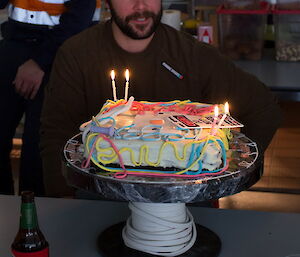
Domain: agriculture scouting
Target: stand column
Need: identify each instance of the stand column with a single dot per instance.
(159, 229)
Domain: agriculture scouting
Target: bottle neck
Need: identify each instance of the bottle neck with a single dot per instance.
(28, 219)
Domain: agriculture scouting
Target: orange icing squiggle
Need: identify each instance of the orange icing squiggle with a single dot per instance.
(182, 107)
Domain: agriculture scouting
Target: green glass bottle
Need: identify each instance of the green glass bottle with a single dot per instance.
(29, 241)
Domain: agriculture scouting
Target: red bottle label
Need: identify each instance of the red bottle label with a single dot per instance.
(42, 253)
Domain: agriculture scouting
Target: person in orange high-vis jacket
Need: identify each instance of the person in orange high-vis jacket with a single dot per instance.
(31, 36)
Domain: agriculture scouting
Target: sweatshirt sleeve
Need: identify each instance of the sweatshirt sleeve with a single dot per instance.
(63, 108)
(251, 102)
(78, 17)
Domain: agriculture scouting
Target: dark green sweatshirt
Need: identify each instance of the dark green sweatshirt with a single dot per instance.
(80, 83)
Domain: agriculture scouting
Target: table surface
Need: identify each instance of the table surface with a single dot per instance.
(72, 226)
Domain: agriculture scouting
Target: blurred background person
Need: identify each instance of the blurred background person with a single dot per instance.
(31, 36)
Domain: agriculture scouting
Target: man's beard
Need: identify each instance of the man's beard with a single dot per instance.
(140, 31)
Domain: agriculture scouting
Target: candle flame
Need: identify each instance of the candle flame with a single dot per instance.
(226, 107)
(112, 75)
(127, 75)
(216, 111)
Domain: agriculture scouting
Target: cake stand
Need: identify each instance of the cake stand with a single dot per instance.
(155, 193)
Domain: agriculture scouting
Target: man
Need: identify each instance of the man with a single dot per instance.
(31, 36)
(135, 39)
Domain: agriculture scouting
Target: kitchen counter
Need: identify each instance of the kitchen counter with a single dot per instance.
(283, 78)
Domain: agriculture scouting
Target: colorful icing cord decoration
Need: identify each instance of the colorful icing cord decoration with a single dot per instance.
(187, 132)
(183, 107)
(115, 153)
(147, 134)
(87, 163)
(150, 173)
(101, 154)
(119, 133)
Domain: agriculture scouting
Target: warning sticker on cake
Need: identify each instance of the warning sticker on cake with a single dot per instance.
(183, 121)
(194, 122)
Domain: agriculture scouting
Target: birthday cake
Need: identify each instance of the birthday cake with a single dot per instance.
(171, 139)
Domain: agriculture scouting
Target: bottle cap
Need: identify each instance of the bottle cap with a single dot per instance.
(27, 196)
(190, 23)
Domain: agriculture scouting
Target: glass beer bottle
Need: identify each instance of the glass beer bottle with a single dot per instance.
(29, 241)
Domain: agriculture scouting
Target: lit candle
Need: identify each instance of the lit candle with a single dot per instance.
(226, 111)
(127, 84)
(216, 111)
(113, 83)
